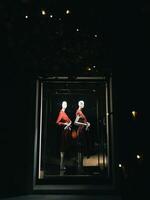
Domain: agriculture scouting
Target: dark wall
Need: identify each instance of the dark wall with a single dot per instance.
(130, 85)
(17, 130)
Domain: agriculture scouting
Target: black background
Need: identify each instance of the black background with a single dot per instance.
(127, 36)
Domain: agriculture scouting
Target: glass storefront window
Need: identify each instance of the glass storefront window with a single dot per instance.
(73, 129)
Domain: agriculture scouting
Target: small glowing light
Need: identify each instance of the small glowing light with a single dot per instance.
(134, 113)
(95, 35)
(43, 12)
(89, 68)
(51, 16)
(67, 12)
(26, 16)
(77, 29)
(94, 66)
(138, 156)
(120, 165)
(59, 19)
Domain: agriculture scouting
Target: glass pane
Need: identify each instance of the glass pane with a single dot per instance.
(73, 129)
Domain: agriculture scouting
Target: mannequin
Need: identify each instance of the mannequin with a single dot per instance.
(65, 123)
(83, 126)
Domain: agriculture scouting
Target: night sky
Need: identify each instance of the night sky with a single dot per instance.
(73, 38)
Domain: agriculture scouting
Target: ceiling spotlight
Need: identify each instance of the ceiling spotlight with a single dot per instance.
(43, 12)
(26, 16)
(134, 113)
(67, 12)
(138, 156)
(51, 16)
(89, 69)
(120, 165)
(77, 29)
(95, 35)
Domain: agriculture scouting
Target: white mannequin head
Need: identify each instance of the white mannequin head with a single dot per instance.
(81, 104)
(64, 104)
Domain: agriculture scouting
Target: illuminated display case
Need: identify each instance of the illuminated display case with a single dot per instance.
(88, 159)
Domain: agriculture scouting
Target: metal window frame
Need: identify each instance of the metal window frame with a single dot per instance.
(38, 134)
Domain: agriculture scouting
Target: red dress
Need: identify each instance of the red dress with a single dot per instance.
(81, 115)
(81, 132)
(64, 140)
(81, 119)
(62, 118)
